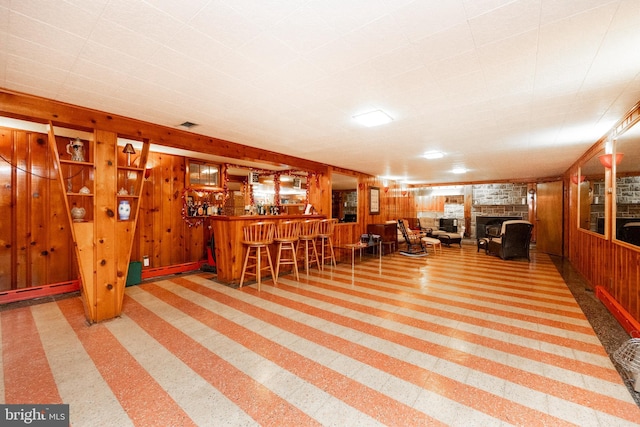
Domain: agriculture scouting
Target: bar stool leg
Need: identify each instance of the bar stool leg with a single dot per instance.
(286, 246)
(244, 266)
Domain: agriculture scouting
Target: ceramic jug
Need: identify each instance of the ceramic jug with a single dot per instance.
(124, 210)
(77, 213)
(76, 149)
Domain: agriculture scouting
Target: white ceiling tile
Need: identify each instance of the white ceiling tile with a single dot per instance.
(267, 51)
(183, 10)
(122, 39)
(422, 18)
(459, 65)
(304, 30)
(520, 47)
(211, 21)
(558, 10)
(142, 20)
(506, 21)
(474, 8)
(73, 19)
(480, 79)
(33, 31)
(445, 44)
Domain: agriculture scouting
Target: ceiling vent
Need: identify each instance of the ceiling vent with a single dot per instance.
(187, 125)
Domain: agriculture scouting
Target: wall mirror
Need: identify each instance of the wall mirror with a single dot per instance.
(260, 191)
(591, 195)
(344, 197)
(202, 174)
(627, 187)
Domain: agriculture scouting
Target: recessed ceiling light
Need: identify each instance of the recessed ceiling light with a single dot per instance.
(459, 170)
(373, 118)
(433, 155)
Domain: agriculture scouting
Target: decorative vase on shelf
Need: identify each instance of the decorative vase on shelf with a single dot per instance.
(78, 214)
(124, 210)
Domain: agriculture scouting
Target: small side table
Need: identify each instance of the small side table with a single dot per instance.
(483, 243)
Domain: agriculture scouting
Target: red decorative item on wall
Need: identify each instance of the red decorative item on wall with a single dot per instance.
(607, 159)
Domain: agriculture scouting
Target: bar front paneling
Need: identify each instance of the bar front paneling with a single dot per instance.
(229, 250)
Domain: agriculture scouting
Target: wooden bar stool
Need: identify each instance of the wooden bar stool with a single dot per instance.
(307, 236)
(257, 237)
(325, 233)
(286, 237)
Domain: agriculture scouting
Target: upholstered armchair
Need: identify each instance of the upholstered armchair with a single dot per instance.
(630, 233)
(514, 240)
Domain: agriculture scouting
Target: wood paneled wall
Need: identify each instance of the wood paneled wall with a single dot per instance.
(599, 259)
(35, 237)
(162, 234)
(36, 243)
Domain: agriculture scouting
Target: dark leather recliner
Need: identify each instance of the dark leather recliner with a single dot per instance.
(514, 240)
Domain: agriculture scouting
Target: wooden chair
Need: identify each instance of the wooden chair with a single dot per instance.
(415, 244)
(286, 237)
(325, 233)
(307, 236)
(257, 237)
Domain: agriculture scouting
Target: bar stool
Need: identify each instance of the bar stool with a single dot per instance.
(286, 237)
(308, 234)
(257, 237)
(325, 233)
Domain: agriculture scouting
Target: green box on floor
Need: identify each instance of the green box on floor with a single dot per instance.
(134, 275)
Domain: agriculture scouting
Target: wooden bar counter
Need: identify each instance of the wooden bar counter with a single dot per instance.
(230, 252)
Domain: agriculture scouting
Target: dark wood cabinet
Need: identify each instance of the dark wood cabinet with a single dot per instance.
(388, 232)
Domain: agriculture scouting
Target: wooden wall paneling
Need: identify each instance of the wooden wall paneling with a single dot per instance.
(126, 229)
(21, 208)
(167, 202)
(82, 236)
(38, 201)
(8, 245)
(151, 216)
(106, 215)
(61, 255)
(468, 207)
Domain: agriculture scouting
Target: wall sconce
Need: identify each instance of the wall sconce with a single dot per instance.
(607, 159)
(128, 150)
(147, 173)
(577, 179)
(532, 193)
(386, 189)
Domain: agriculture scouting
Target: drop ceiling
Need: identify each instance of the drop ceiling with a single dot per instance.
(505, 89)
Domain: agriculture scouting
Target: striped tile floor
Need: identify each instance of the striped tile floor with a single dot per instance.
(460, 339)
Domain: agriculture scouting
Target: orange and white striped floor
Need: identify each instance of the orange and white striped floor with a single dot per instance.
(461, 339)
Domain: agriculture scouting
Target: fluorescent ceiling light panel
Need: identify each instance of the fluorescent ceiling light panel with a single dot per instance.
(433, 155)
(373, 118)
